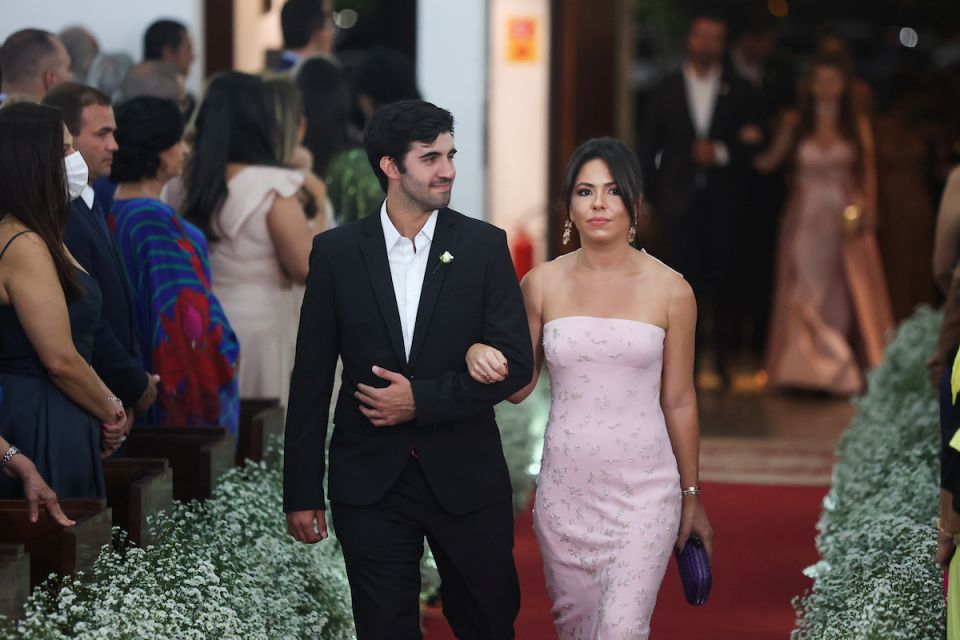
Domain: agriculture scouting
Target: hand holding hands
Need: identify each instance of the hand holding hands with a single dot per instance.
(693, 520)
(113, 434)
(486, 364)
(389, 405)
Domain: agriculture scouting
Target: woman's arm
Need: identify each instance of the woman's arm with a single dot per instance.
(678, 399)
(33, 288)
(773, 157)
(487, 365)
(947, 237)
(35, 489)
(869, 168)
(291, 236)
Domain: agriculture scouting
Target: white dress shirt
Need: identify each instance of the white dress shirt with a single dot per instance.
(408, 266)
(87, 196)
(702, 93)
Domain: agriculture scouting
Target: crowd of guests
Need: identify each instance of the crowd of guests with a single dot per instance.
(152, 248)
(799, 214)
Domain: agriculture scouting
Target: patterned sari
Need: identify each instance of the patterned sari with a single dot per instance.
(184, 335)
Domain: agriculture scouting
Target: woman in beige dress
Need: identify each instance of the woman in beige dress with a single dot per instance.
(830, 301)
(246, 202)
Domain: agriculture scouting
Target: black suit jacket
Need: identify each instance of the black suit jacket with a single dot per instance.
(350, 310)
(116, 352)
(673, 186)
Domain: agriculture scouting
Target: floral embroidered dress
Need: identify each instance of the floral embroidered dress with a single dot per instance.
(184, 334)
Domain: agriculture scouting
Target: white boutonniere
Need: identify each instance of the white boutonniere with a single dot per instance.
(445, 258)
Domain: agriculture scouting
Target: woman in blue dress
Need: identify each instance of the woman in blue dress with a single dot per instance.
(56, 410)
(184, 334)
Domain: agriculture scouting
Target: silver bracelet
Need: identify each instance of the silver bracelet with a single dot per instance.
(115, 398)
(691, 491)
(12, 451)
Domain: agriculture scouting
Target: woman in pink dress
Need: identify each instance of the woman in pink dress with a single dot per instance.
(619, 482)
(830, 288)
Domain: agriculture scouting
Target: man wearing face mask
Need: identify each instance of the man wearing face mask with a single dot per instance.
(88, 115)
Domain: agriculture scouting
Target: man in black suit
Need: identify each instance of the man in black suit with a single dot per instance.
(755, 57)
(700, 131)
(88, 115)
(400, 296)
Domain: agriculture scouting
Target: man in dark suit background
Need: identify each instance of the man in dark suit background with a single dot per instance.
(400, 296)
(755, 57)
(699, 133)
(88, 115)
(308, 30)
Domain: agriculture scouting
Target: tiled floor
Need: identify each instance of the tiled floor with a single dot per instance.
(754, 436)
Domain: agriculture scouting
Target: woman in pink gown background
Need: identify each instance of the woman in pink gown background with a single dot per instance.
(619, 483)
(831, 310)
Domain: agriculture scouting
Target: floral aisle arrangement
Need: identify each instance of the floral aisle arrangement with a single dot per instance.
(225, 568)
(877, 578)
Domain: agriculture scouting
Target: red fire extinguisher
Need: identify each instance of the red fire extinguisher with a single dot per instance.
(522, 252)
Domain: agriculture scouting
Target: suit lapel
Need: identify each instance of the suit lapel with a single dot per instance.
(445, 238)
(719, 105)
(374, 251)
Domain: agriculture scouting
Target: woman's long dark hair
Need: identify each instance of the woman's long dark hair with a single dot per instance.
(326, 101)
(34, 184)
(847, 115)
(623, 166)
(235, 123)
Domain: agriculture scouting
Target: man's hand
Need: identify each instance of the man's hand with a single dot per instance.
(388, 406)
(309, 527)
(704, 152)
(149, 394)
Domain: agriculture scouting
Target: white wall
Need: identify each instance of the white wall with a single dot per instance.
(451, 72)
(117, 24)
(519, 124)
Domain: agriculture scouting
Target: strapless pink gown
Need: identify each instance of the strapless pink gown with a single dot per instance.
(607, 508)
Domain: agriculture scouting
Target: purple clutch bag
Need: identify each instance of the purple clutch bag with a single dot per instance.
(695, 575)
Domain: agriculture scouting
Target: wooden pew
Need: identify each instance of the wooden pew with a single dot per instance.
(136, 489)
(197, 455)
(251, 437)
(52, 548)
(14, 580)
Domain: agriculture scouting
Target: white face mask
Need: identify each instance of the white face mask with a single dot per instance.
(77, 174)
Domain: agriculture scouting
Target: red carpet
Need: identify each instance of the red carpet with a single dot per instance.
(764, 538)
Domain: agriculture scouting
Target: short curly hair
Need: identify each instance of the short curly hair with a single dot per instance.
(146, 127)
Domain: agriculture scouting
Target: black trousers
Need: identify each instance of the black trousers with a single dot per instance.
(382, 546)
(702, 245)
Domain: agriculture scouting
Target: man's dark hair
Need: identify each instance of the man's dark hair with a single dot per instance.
(623, 166)
(24, 54)
(162, 34)
(72, 98)
(299, 20)
(395, 127)
(146, 127)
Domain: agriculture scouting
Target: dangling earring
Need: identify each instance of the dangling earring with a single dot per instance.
(565, 238)
(632, 234)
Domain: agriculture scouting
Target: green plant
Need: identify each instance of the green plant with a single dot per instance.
(876, 579)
